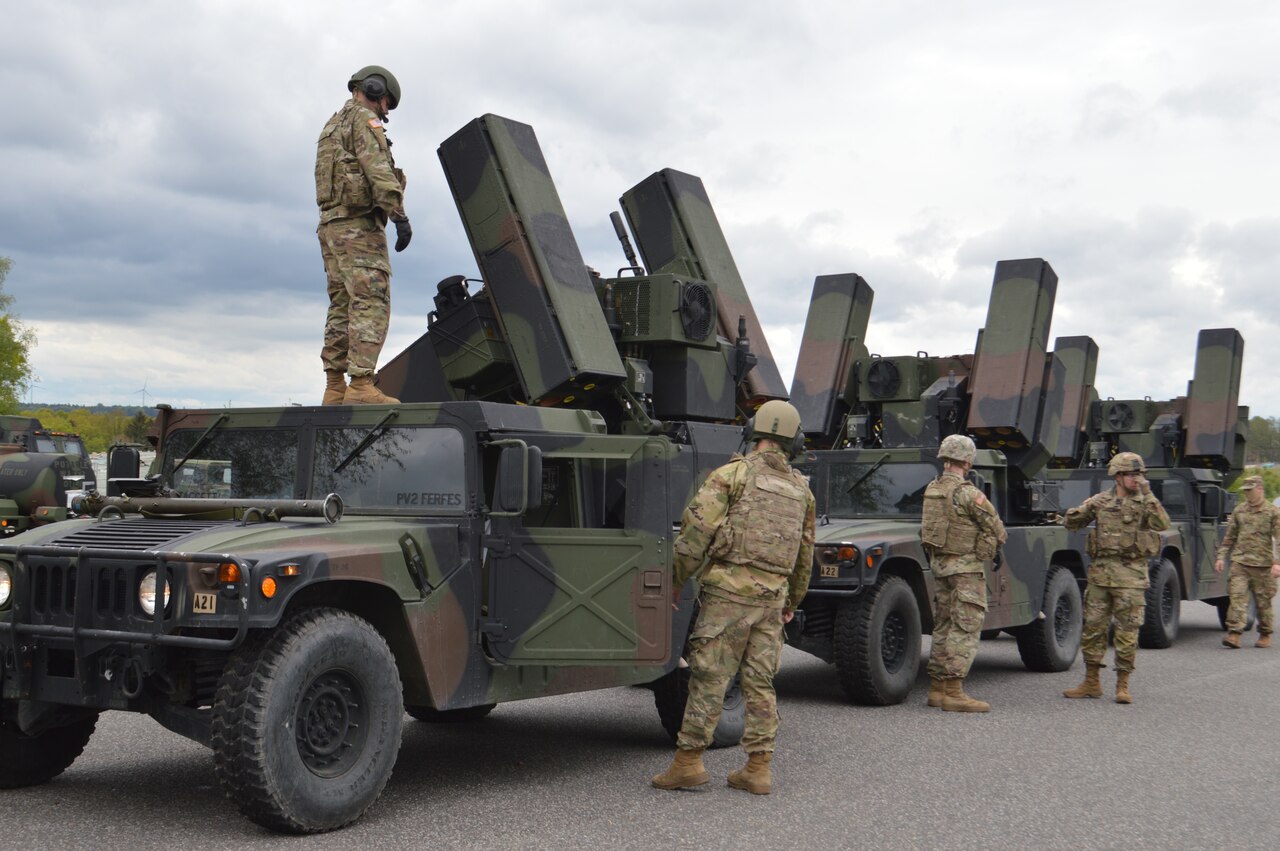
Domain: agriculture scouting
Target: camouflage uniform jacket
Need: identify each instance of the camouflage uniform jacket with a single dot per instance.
(970, 530)
(752, 522)
(1123, 538)
(355, 173)
(1250, 535)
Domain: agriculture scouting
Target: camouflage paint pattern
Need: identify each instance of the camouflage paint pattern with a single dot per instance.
(533, 270)
(1259, 582)
(1008, 371)
(565, 606)
(359, 285)
(732, 638)
(835, 333)
(677, 232)
(32, 488)
(1212, 413)
(1103, 604)
(1079, 357)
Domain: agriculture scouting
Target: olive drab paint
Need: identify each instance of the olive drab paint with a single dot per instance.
(835, 334)
(677, 231)
(1045, 436)
(542, 293)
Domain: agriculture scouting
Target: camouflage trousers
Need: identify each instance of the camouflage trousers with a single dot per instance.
(959, 608)
(359, 273)
(729, 639)
(1259, 582)
(1128, 606)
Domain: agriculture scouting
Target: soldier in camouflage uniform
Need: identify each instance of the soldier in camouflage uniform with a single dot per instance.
(1250, 542)
(1127, 520)
(961, 532)
(749, 530)
(358, 188)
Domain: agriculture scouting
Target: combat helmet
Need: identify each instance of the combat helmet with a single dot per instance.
(1126, 462)
(780, 421)
(958, 447)
(383, 82)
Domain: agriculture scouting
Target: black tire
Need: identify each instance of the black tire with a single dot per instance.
(32, 760)
(307, 721)
(1164, 605)
(1051, 643)
(877, 643)
(671, 692)
(1251, 617)
(449, 716)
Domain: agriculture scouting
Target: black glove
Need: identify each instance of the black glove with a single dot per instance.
(404, 233)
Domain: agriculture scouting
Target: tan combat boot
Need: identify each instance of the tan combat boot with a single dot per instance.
(363, 392)
(1091, 687)
(335, 387)
(1122, 687)
(1232, 640)
(686, 771)
(955, 700)
(936, 689)
(755, 777)
(1264, 640)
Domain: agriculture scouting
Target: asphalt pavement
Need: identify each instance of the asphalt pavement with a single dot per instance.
(1191, 764)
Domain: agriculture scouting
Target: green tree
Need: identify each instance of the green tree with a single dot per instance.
(137, 428)
(1264, 440)
(16, 341)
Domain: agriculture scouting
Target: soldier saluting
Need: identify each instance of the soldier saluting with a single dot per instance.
(358, 189)
(752, 525)
(1126, 520)
(1250, 542)
(960, 531)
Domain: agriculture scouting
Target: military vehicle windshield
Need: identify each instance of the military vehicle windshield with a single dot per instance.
(421, 469)
(45, 444)
(257, 463)
(73, 446)
(856, 489)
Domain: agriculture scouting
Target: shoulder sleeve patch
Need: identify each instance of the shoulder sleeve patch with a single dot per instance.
(375, 124)
(979, 497)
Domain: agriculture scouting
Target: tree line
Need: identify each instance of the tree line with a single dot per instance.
(98, 429)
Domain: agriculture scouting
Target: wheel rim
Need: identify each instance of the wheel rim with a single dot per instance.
(331, 723)
(1063, 620)
(893, 641)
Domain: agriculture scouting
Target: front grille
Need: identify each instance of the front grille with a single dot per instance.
(54, 590)
(134, 533)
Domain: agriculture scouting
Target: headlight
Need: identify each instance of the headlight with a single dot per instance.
(6, 586)
(147, 592)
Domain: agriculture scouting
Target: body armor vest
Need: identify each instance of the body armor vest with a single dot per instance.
(945, 529)
(764, 526)
(1118, 532)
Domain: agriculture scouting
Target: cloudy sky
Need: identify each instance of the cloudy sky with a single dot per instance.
(158, 199)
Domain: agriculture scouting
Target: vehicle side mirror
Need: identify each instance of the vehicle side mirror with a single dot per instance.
(123, 463)
(519, 486)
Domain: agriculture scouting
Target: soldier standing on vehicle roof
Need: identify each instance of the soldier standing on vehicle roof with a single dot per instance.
(752, 525)
(961, 533)
(1250, 541)
(1126, 520)
(358, 188)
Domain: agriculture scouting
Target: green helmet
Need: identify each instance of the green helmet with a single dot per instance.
(1126, 462)
(958, 447)
(388, 84)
